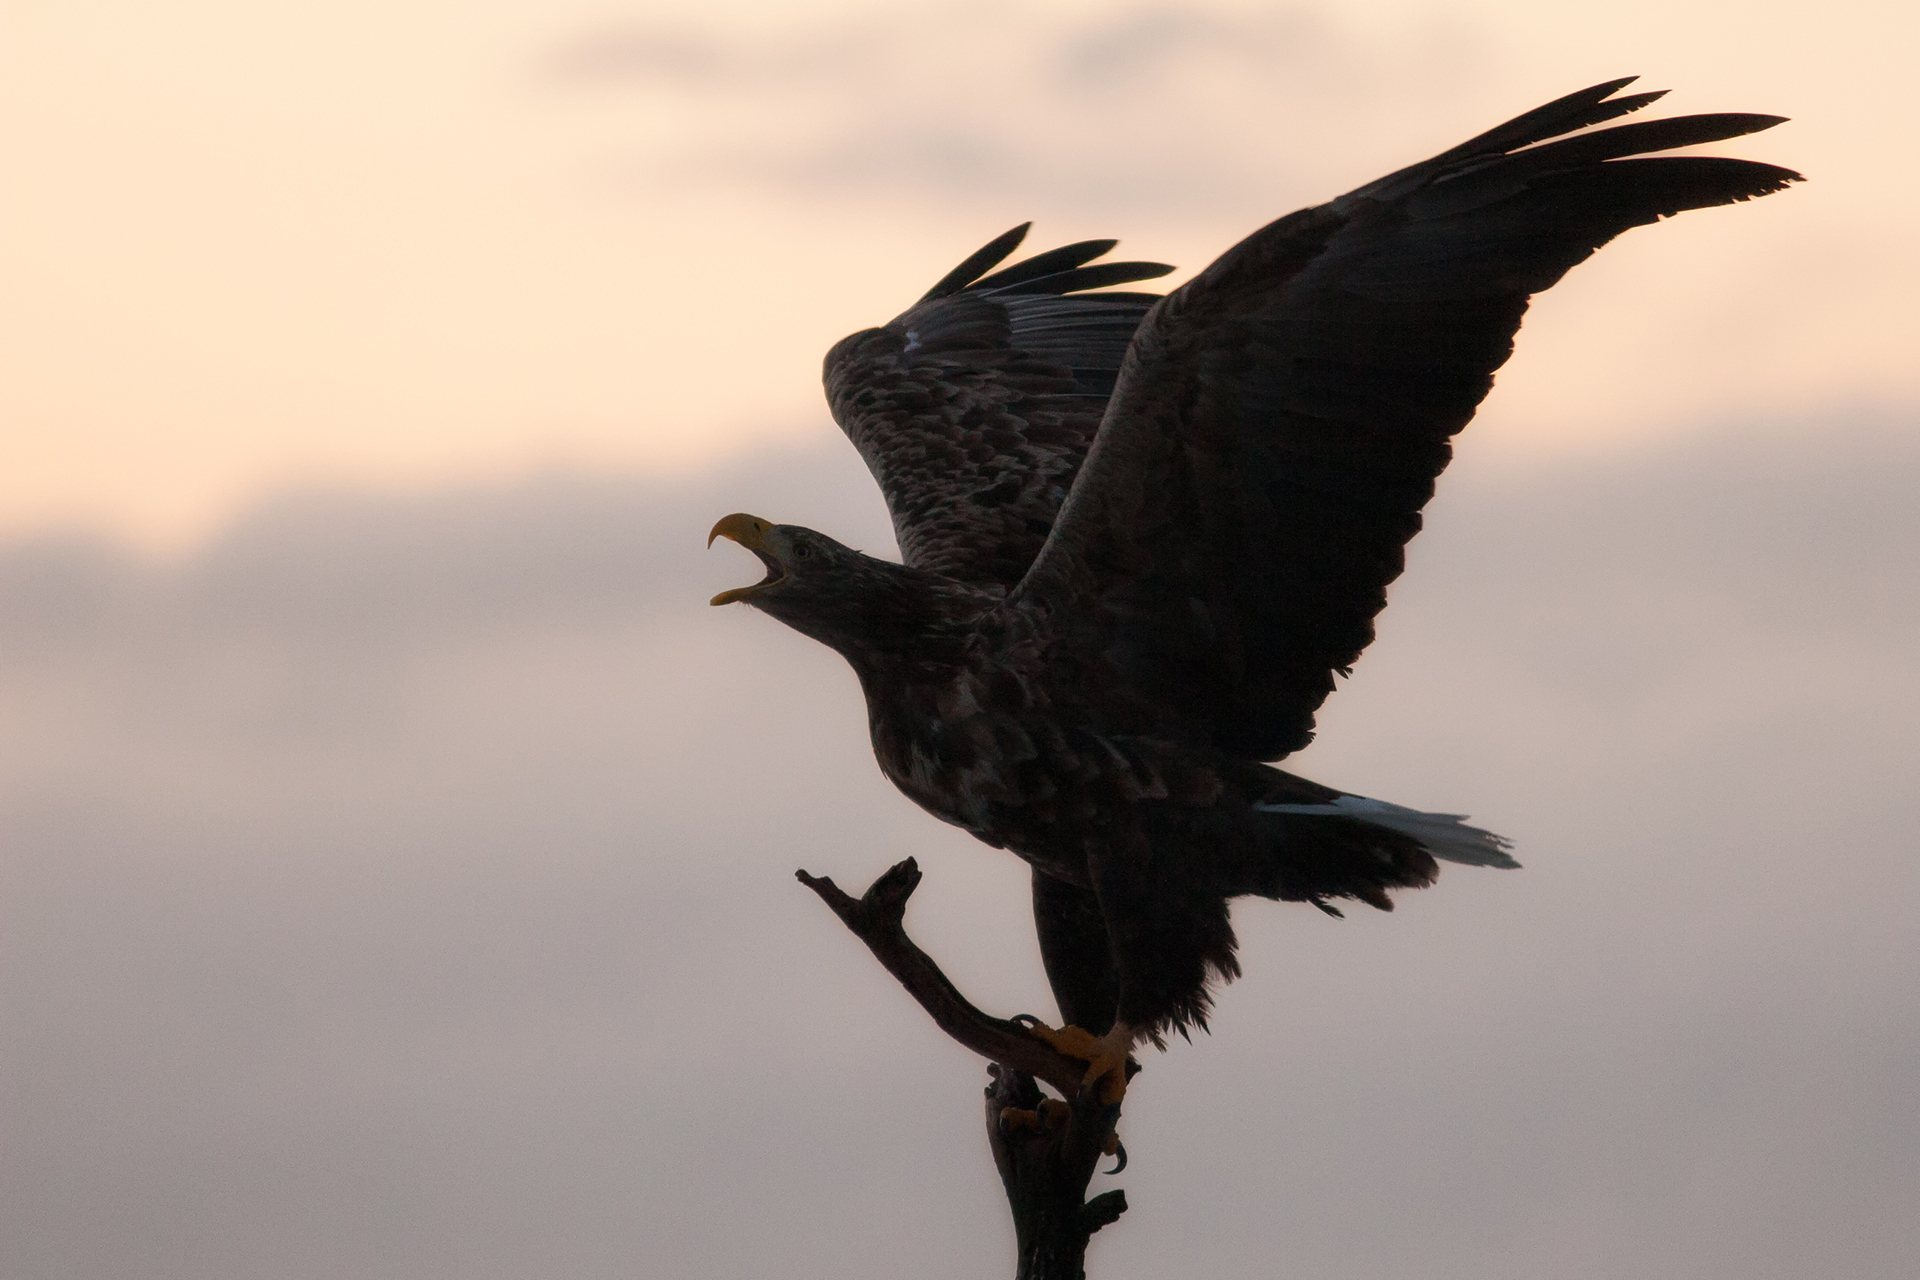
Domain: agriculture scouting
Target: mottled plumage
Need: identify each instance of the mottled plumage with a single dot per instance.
(1141, 536)
(975, 407)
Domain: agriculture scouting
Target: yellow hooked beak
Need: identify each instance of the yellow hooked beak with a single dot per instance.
(751, 533)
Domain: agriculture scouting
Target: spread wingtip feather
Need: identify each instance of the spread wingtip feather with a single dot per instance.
(979, 262)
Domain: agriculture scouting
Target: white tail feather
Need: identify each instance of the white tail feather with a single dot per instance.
(1444, 835)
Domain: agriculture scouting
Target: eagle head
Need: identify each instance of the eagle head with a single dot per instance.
(865, 607)
(796, 558)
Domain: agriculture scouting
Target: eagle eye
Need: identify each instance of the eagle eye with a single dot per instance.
(803, 551)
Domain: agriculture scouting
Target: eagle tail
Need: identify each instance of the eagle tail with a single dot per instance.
(1444, 835)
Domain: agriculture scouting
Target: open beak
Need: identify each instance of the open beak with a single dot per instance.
(751, 533)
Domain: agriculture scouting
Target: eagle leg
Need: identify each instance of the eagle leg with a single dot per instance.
(1107, 1056)
(1077, 952)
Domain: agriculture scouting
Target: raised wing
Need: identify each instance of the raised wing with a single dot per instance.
(1281, 418)
(974, 409)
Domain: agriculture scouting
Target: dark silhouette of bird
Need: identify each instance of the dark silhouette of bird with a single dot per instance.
(1142, 534)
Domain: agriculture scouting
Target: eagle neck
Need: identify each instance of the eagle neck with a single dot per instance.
(891, 622)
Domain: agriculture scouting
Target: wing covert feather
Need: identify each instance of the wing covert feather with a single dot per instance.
(974, 408)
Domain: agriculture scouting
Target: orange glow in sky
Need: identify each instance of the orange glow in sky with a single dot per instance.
(413, 242)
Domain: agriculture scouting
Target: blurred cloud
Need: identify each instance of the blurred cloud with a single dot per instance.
(400, 886)
(1060, 111)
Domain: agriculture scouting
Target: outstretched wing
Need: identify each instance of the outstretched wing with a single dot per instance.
(1281, 418)
(974, 409)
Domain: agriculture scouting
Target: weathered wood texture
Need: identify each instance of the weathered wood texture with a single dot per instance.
(1045, 1167)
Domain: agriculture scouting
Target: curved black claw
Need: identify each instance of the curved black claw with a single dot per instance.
(1119, 1158)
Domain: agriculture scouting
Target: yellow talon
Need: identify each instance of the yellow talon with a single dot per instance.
(1105, 1056)
(1049, 1115)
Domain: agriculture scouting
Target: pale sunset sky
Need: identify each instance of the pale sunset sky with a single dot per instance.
(253, 247)
(396, 852)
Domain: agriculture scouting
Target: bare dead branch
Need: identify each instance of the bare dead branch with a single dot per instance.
(876, 919)
(1045, 1151)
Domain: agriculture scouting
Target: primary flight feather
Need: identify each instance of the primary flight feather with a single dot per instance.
(1142, 534)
